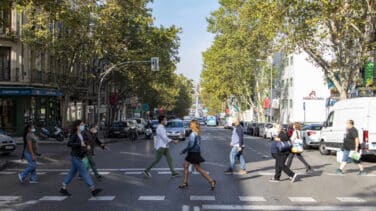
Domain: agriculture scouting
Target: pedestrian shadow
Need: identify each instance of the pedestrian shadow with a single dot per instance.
(249, 177)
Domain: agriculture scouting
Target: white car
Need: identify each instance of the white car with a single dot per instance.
(7, 144)
(270, 130)
(311, 135)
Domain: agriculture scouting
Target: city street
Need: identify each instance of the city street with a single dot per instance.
(126, 188)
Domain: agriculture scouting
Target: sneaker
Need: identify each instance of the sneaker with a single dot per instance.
(99, 176)
(96, 191)
(293, 179)
(64, 192)
(147, 173)
(20, 178)
(243, 172)
(362, 173)
(228, 171)
(33, 182)
(175, 174)
(339, 171)
(274, 180)
(309, 170)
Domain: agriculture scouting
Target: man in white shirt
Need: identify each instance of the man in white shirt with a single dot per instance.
(162, 148)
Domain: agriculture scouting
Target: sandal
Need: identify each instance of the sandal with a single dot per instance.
(213, 183)
(183, 186)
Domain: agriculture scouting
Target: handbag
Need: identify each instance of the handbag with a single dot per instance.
(85, 161)
(298, 145)
(339, 156)
(284, 146)
(354, 155)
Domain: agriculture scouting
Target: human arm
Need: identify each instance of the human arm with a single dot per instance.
(30, 148)
(190, 145)
(161, 132)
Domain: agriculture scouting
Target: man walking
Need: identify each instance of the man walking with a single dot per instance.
(237, 144)
(350, 144)
(161, 146)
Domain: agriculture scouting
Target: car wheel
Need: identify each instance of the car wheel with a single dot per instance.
(60, 137)
(323, 150)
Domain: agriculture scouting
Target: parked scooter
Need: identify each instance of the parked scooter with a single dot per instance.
(57, 133)
(132, 133)
(148, 133)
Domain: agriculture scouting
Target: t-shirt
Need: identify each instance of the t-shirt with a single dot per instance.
(34, 142)
(349, 140)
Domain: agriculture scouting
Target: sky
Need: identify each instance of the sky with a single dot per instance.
(190, 15)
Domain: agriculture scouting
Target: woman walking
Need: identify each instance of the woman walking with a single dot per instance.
(194, 156)
(30, 152)
(78, 152)
(296, 135)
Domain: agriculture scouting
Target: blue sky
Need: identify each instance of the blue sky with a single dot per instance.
(190, 15)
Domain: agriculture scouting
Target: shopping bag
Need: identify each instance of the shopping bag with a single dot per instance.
(354, 155)
(297, 148)
(339, 156)
(85, 161)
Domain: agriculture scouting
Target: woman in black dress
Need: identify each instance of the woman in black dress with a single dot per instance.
(194, 155)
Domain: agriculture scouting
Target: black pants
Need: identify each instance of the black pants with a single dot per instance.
(300, 157)
(280, 160)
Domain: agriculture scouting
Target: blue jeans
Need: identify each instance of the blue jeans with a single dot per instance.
(233, 155)
(31, 168)
(78, 166)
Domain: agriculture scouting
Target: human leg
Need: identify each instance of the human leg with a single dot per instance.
(158, 156)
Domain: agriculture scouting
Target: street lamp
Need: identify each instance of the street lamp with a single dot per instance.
(271, 87)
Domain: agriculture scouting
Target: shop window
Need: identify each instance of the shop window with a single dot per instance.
(4, 64)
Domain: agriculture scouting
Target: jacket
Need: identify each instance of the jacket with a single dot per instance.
(193, 143)
(76, 149)
(91, 140)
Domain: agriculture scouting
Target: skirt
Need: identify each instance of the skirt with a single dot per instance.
(194, 158)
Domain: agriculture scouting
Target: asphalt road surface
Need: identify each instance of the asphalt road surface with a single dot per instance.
(126, 188)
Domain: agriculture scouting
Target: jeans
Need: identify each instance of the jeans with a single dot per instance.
(92, 165)
(300, 157)
(158, 156)
(78, 166)
(281, 166)
(31, 168)
(233, 154)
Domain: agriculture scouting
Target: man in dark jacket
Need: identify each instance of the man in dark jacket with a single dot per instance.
(91, 140)
(237, 144)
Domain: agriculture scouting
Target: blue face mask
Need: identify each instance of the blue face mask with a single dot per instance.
(82, 128)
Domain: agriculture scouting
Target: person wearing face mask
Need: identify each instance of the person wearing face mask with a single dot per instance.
(78, 152)
(91, 140)
(30, 152)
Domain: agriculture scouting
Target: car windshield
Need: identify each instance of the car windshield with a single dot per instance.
(175, 124)
(154, 122)
(313, 127)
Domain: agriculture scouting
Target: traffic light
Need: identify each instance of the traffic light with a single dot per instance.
(154, 64)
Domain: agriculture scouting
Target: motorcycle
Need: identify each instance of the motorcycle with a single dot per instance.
(133, 133)
(57, 133)
(148, 133)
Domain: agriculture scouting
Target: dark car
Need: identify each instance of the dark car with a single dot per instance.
(118, 130)
(7, 144)
(250, 128)
(257, 129)
(154, 125)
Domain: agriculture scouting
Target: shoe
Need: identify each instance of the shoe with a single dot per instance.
(147, 173)
(362, 173)
(33, 182)
(175, 174)
(309, 170)
(96, 191)
(274, 180)
(20, 178)
(213, 184)
(183, 186)
(64, 192)
(243, 172)
(339, 171)
(99, 176)
(293, 179)
(228, 171)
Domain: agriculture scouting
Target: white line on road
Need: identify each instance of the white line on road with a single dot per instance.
(252, 198)
(279, 207)
(303, 199)
(264, 173)
(202, 198)
(351, 200)
(198, 173)
(164, 172)
(7, 172)
(196, 208)
(151, 198)
(63, 173)
(53, 198)
(9, 198)
(334, 174)
(102, 172)
(41, 173)
(132, 172)
(102, 198)
(266, 156)
(185, 208)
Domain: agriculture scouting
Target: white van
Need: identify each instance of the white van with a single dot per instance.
(363, 112)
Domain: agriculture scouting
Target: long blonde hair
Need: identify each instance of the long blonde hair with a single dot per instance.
(195, 126)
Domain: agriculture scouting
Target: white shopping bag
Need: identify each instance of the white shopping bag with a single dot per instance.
(339, 156)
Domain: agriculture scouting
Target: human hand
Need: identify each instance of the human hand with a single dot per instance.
(33, 157)
(176, 141)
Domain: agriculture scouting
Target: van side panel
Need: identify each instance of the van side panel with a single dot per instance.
(371, 124)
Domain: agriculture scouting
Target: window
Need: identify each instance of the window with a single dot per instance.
(5, 20)
(4, 64)
(329, 122)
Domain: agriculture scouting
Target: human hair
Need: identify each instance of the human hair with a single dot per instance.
(351, 122)
(195, 126)
(297, 126)
(161, 118)
(75, 125)
(26, 131)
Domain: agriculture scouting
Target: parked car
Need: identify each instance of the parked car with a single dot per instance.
(7, 144)
(258, 129)
(363, 112)
(201, 121)
(140, 125)
(228, 123)
(118, 130)
(311, 135)
(175, 130)
(270, 130)
(211, 121)
(263, 129)
(250, 128)
(154, 125)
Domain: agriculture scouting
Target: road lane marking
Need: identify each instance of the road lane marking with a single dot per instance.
(303, 199)
(10, 198)
(7, 172)
(41, 173)
(264, 173)
(53, 198)
(252, 198)
(64, 173)
(102, 198)
(334, 174)
(196, 208)
(164, 172)
(132, 172)
(185, 208)
(202, 198)
(266, 156)
(198, 173)
(102, 172)
(351, 200)
(285, 207)
(152, 198)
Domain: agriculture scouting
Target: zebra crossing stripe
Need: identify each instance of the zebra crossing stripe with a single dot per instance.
(264, 173)
(7, 172)
(10, 198)
(351, 200)
(202, 198)
(185, 208)
(252, 198)
(151, 198)
(302, 199)
(102, 198)
(132, 172)
(164, 172)
(196, 208)
(53, 198)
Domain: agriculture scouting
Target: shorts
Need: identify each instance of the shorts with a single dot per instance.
(347, 159)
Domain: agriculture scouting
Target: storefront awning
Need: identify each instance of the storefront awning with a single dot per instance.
(28, 91)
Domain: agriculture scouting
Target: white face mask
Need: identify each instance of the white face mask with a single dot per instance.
(33, 130)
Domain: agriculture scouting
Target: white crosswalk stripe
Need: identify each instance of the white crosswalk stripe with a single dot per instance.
(53, 198)
(152, 198)
(284, 207)
(302, 199)
(10, 198)
(202, 198)
(351, 200)
(252, 198)
(132, 172)
(102, 198)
